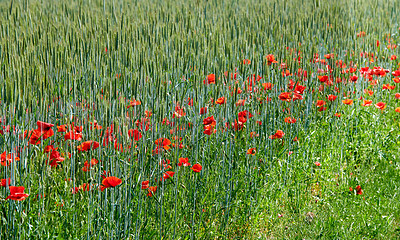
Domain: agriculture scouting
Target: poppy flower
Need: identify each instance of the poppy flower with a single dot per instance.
(299, 89)
(134, 103)
(209, 129)
(323, 78)
(184, 162)
(359, 190)
(318, 164)
(151, 190)
(7, 159)
(209, 121)
(320, 103)
(220, 101)
(210, 79)
(135, 134)
(348, 101)
(267, 86)
(34, 136)
(251, 151)
(380, 105)
(279, 134)
(197, 168)
(285, 96)
(290, 120)
(270, 59)
(338, 115)
(5, 182)
(145, 184)
(168, 174)
(72, 135)
(203, 110)
(332, 98)
(55, 158)
(62, 128)
(297, 96)
(17, 193)
(85, 146)
(110, 182)
(366, 103)
(163, 142)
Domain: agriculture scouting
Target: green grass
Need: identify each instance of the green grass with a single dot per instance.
(75, 62)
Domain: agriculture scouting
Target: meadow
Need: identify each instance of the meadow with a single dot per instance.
(199, 119)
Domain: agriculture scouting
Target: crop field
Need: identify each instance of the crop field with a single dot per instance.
(194, 119)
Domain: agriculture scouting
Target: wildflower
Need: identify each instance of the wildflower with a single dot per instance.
(17, 193)
(110, 182)
(85, 146)
(380, 105)
(151, 190)
(270, 59)
(184, 162)
(134, 103)
(5, 182)
(347, 101)
(318, 164)
(145, 184)
(135, 134)
(168, 174)
(367, 103)
(210, 79)
(279, 134)
(252, 151)
(197, 168)
(220, 101)
(332, 98)
(285, 96)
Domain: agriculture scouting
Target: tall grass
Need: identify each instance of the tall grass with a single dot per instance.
(75, 62)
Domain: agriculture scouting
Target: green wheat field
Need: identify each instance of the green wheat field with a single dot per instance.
(195, 119)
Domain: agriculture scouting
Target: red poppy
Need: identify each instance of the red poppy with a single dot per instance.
(197, 168)
(252, 151)
(290, 120)
(135, 134)
(209, 129)
(318, 164)
(85, 146)
(73, 136)
(163, 142)
(203, 110)
(5, 182)
(134, 103)
(151, 190)
(397, 109)
(270, 59)
(380, 105)
(168, 174)
(299, 89)
(55, 158)
(285, 96)
(110, 182)
(320, 103)
(267, 86)
(366, 103)
(279, 134)
(359, 190)
(17, 193)
(145, 184)
(62, 128)
(323, 78)
(220, 101)
(209, 121)
(332, 98)
(184, 162)
(210, 79)
(7, 159)
(347, 101)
